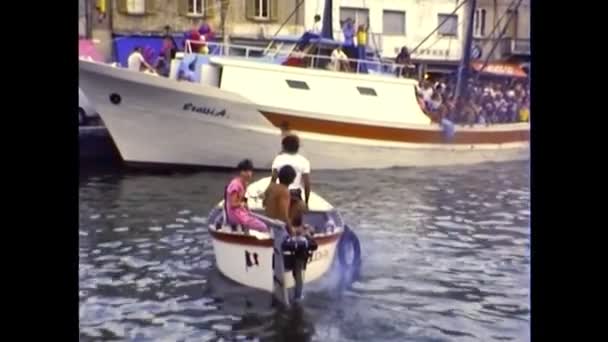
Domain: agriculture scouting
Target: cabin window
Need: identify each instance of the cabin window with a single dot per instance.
(297, 84)
(450, 24)
(367, 91)
(393, 22)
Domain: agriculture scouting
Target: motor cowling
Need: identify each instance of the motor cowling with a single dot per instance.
(297, 250)
(300, 244)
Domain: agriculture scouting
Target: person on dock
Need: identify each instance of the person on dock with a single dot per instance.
(290, 156)
(277, 199)
(237, 211)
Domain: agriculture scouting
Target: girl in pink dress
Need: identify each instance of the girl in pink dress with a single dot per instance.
(236, 208)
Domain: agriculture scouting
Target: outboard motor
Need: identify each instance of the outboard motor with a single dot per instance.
(289, 253)
(297, 251)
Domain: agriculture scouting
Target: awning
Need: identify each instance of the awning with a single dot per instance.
(86, 48)
(500, 69)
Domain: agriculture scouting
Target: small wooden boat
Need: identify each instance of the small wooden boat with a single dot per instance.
(256, 259)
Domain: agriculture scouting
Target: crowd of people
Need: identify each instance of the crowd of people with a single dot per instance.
(484, 102)
(198, 37)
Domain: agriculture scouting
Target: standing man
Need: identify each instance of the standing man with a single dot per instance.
(316, 26)
(277, 199)
(290, 156)
(136, 59)
(362, 33)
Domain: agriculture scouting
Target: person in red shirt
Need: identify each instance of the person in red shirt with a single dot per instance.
(195, 39)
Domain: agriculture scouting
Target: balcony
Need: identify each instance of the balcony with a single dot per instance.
(506, 47)
(520, 46)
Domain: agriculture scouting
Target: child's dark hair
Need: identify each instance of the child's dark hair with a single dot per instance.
(245, 165)
(291, 144)
(286, 175)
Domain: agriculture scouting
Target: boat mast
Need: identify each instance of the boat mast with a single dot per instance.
(463, 69)
(223, 14)
(327, 23)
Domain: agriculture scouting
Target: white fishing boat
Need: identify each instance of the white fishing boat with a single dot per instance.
(252, 258)
(240, 105)
(238, 102)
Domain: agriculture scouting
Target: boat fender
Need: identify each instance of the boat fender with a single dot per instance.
(447, 128)
(115, 98)
(349, 238)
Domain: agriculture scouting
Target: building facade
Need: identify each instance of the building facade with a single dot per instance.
(244, 17)
(392, 23)
(509, 18)
(397, 23)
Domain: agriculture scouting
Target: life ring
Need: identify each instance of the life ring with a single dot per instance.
(350, 238)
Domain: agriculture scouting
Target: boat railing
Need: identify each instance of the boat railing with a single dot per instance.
(221, 49)
(311, 60)
(352, 65)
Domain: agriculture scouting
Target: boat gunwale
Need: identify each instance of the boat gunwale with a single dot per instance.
(239, 238)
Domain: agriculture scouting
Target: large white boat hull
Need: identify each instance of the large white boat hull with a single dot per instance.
(162, 121)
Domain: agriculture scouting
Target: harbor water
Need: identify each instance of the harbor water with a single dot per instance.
(446, 257)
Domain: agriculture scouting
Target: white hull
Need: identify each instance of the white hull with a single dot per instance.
(231, 261)
(150, 125)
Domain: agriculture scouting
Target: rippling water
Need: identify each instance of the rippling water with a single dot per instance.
(446, 257)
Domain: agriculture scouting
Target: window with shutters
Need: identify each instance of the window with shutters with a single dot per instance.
(511, 30)
(262, 9)
(360, 16)
(196, 7)
(479, 23)
(450, 26)
(135, 7)
(393, 22)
